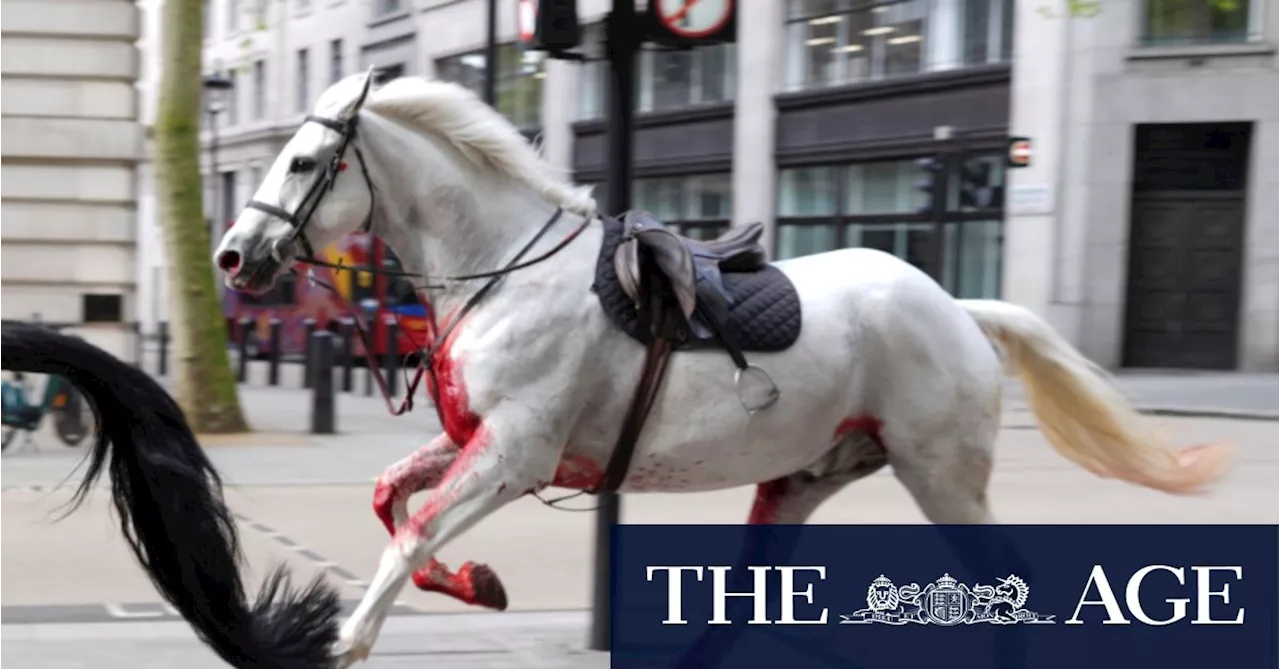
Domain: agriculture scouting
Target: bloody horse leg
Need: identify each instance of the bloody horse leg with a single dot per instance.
(473, 583)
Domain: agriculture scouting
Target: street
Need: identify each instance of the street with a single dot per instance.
(74, 596)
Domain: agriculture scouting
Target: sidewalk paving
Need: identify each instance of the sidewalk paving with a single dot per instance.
(546, 640)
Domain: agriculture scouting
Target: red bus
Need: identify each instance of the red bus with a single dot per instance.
(378, 298)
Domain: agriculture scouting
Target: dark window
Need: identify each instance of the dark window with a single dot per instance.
(698, 206)
(102, 308)
(879, 205)
(1199, 22)
(667, 79)
(336, 68)
(302, 91)
(386, 73)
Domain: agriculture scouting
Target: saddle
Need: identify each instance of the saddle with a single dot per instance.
(675, 293)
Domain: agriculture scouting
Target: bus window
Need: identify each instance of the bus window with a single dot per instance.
(400, 290)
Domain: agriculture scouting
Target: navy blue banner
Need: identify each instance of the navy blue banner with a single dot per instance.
(893, 597)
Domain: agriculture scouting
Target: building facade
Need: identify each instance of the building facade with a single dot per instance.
(814, 122)
(1146, 226)
(72, 142)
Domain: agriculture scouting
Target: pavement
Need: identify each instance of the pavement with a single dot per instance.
(75, 598)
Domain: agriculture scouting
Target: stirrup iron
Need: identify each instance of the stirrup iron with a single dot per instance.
(769, 400)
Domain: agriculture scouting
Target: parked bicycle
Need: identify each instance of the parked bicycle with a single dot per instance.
(72, 416)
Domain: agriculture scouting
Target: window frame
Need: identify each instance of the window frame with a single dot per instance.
(1253, 29)
(337, 60)
(953, 219)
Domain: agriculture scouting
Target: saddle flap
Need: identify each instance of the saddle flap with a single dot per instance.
(668, 252)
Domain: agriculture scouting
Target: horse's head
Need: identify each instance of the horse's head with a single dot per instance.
(315, 192)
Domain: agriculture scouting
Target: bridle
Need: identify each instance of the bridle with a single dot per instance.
(299, 219)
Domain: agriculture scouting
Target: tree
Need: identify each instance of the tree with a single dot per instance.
(203, 382)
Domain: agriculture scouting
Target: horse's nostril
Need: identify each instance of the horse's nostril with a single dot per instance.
(229, 261)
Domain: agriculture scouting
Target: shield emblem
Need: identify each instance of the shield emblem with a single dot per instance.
(947, 606)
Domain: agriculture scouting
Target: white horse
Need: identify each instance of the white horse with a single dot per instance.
(534, 381)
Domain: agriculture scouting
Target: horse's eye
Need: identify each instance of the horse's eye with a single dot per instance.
(302, 164)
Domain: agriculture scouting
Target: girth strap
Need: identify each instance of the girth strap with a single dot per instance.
(655, 369)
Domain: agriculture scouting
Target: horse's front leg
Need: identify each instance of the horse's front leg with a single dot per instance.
(473, 583)
(496, 466)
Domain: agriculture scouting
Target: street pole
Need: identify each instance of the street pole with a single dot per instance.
(622, 38)
(491, 57)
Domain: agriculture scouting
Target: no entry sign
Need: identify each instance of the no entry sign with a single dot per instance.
(1019, 151)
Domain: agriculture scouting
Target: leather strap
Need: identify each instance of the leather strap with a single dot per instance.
(655, 368)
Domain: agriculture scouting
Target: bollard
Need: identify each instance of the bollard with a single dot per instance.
(163, 335)
(246, 329)
(392, 355)
(273, 363)
(348, 331)
(310, 325)
(322, 411)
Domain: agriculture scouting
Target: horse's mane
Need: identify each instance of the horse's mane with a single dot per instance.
(481, 134)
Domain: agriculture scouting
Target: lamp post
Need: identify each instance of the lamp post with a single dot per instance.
(216, 87)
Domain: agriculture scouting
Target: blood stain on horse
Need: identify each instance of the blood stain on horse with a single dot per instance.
(769, 496)
(456, 416)
(416, 528)
(867, 424)
(577, 472)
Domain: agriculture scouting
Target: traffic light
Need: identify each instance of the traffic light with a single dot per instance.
(976, 189)
(932, 184)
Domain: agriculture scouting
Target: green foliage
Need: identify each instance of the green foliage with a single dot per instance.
(1090, 8)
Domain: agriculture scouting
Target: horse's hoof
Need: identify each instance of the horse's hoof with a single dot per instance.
(488, 589)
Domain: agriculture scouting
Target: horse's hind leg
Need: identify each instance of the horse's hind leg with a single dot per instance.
(788, 500)
(473, 583)
(948, 476)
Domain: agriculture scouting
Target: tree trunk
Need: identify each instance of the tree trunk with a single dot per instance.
(203, 382)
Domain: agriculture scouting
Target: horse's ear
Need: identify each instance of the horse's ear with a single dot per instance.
(353, 108)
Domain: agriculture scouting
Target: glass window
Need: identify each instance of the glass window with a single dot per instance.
(833, 43)
(660, 197)
(879, 205)
(259, 14)
(883, 188)
(518, 80)
(302, 94)
(667, 79)
(336, 67)
(231, 97)
(233, 15)
(698, 206)
(384, 7)
(259, 89)
(708, 196)
(1199, 22)
(809, 191)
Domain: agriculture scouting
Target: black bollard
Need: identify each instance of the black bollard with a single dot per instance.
(391, 362)
(307, 366)
(273, 363)
(348, 332)
(246, 329)
(322, 410)
(163, 335)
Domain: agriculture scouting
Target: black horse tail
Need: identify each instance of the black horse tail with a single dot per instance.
(169, 499)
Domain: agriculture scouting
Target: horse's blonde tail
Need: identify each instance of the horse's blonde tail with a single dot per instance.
(1082, 414)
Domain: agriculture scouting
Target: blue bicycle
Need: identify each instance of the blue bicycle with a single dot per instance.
(72, 419)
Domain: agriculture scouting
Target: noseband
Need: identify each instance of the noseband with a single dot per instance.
(299, 219)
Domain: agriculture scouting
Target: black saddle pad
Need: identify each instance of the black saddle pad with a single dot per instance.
(764, 308)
